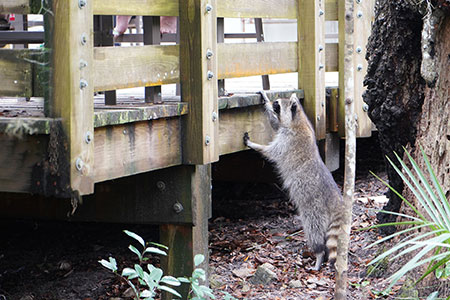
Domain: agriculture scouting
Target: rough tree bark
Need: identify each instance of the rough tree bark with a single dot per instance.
(395, 88)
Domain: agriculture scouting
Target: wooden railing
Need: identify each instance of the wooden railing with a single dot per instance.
(77, 69)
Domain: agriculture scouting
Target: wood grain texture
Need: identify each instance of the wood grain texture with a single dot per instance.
(134, 148)
(198, 34)
(239, 60)
(18, 158)
(235, 122)
(15, 6)
(311, 62)
(135, 66)
(363, 16)
(279, 9)
(332, 57)
(136, 7)
(70, 101)
(16, 74)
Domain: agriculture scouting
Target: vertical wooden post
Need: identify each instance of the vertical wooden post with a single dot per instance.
(152, 36)
(260, 38)
(198, 78)
(221, 39)
(185, 241)
(363, 14)
(72, 97)
(311, 61)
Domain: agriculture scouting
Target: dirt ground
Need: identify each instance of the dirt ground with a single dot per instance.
(252, 224)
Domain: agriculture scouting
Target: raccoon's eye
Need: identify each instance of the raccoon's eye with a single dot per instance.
(276, 107)
(293, 108)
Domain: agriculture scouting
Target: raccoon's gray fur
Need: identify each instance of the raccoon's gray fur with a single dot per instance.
(306, 178)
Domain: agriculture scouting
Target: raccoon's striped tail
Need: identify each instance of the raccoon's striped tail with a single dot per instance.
(332, 240)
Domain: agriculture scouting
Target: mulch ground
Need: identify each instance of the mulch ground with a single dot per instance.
(252, 224)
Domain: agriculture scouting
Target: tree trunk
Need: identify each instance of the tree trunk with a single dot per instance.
(395, 88)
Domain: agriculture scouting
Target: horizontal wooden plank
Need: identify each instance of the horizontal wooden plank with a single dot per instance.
(240, 60)
(134, 148)
(19, 127)
(235, 122)
(136, 7)
(332, 57)
(20, 6)
(244, 100)
(279, 9)
(126, 67)
(16, 73)
(121, 115)
(331, 10)
(19, 157)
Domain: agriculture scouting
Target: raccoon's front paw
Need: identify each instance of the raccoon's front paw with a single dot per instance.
(246, 138)
(264, 97)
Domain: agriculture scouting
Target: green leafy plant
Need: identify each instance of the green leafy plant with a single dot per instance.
(433, 245)
(145, 283)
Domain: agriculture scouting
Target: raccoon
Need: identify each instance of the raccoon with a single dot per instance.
(305, 177)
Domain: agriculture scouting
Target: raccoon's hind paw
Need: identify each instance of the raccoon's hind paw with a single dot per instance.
(246, 138)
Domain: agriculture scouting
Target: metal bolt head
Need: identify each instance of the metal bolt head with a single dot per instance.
(83, 64)
(82, 3)
(208, 8)
(321, 12)
(358, 1)
(79, 164)
(359, 14)
(321, 66)
(207, 140)
(318, 118)
(83, 84)
(358, 49)
(88, 137)
(348, 101)
(209, 54)
(359, 67)
(365, 107)
(178, 207)
(214, 116)
(83, 39)
(210, 75)
(320, 48)
(161, 185)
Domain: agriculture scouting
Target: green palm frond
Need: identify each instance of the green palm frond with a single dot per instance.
(430, 245)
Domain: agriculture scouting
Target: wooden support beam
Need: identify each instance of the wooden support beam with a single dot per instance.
(198, 78)
(152, 36)
(311, 61)
(221, 39)
(249, 59)
(260, 38)
(185, 241)
(363, 16)
(135, 66)
(136, 7)
(23, 7)
(73, 89)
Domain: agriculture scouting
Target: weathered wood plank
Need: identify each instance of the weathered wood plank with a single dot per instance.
(198, 79)
(311, 62)
(286, 9)
(332, 57)
(277, 9)
(239, 60)
(73, 91)
(235, 122)
(135, 66)
(185, 241)
(19, 157)
(16, 74)
(20, 6)
(107, 117)
(136, 7)
(19, 127)
(363, 16)
(134, 148)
